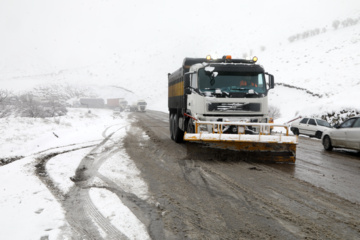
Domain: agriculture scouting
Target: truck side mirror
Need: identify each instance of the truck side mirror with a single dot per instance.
(187, 81)
(271, 81)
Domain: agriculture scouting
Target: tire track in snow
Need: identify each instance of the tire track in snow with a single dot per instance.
(80, 212)
(79, 200)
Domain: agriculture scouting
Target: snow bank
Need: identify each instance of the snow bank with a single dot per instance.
(27, 204)
(28, 210)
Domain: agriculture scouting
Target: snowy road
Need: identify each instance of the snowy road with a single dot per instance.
(207, 194)
(130, 181)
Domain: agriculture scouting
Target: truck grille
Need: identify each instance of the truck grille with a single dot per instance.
(233, 107)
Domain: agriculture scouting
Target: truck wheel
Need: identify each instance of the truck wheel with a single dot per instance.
(178, 133)
(171, 126)
(318, 134)
(327, 143)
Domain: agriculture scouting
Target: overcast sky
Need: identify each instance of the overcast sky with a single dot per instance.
(43, 36)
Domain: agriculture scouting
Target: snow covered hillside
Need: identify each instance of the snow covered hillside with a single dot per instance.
(314, 76)
(327, 65)
(324, 68)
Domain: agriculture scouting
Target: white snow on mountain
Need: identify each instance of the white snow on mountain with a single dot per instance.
(326, 64)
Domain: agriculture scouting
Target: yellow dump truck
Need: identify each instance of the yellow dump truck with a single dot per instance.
(224, 103)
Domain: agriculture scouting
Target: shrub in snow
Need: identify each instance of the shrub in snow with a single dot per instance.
(336, 24)
(274, 112)
(35, 107)
(338, 117)
(5, 111)
(349, 22)
(7, 160)
(5, 103)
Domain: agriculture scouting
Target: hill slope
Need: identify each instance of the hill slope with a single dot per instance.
(326, 65)
(323, 71)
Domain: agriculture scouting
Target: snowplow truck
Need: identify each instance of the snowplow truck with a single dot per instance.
(224, 104)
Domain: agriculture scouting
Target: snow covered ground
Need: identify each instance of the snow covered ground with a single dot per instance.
(28, 204)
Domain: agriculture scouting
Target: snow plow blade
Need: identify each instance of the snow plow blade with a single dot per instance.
(275, 148)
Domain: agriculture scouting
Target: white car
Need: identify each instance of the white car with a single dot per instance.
(346, 135)
(310, 126)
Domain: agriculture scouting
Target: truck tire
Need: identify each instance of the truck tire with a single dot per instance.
(318, 134)
(327, 143)
(178, 133)
(171, 126)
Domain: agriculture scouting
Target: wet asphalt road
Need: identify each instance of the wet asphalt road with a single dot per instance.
(205, 193)
(336, 171)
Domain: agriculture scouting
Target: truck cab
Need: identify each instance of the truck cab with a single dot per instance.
(225, 90)
(235, 93)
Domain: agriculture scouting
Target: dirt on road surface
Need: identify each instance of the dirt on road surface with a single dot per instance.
(204, 193)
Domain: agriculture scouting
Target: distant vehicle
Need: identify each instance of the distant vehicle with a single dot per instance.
(345, 135)
(116, 112)
(138, 106)
(123, 104)
(92, 102)
(141, 106)
(118, 103)
(310, 127)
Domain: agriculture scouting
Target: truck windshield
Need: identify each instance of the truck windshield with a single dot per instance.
(232, 82)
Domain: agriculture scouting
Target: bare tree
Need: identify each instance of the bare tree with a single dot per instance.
(30, 106)
(5, 108)
(274, 112)
(4, 94)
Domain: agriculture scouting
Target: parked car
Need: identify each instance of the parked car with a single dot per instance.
(345, 135)
(310, 126)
